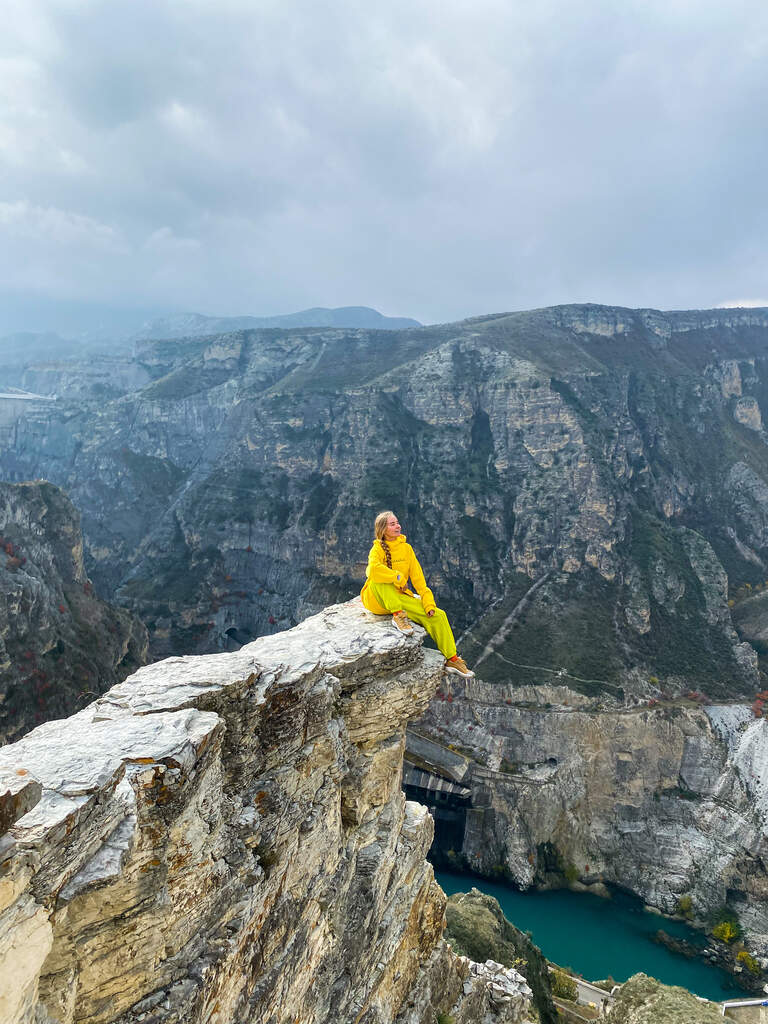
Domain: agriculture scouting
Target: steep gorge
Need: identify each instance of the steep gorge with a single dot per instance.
(667, 800)
(615, 459)
(587, 488)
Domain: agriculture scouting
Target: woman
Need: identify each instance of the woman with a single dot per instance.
(390, 562)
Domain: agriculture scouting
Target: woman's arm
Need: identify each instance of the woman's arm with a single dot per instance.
(379, 572)
(420, 585)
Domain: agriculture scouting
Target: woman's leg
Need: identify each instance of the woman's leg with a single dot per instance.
(437, 626)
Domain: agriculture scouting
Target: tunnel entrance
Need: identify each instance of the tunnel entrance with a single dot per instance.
(446, 801)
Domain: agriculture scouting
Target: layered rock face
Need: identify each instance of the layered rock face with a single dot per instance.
(60, 644)
(224, 839)
(666, 801)
(583, 485)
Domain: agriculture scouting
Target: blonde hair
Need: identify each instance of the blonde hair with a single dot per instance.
(379, 529)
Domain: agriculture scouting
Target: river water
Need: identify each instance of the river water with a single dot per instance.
(599, 938)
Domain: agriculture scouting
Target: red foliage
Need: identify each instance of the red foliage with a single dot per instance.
(449, 698)
(62, 609)
(9, 548)
(249, 549)
(272, 620)
(228, 579)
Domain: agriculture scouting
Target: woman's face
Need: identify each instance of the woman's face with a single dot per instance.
(393, 528)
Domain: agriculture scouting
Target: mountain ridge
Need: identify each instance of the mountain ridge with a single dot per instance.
(621, 454)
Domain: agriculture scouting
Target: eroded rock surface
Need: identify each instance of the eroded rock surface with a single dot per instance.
(60, 644)
(224, 839)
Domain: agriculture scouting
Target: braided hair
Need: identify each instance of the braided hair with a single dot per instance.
(379, 529)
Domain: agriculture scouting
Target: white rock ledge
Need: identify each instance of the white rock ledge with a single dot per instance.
(224, 839)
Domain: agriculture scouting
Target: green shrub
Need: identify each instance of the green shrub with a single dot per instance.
(726, 931)
(748, 961)
(571, 872)
(444, 1018)
(563, 986)
(725, 925)
(685, 905)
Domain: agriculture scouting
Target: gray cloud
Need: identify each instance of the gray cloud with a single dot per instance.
(432, 158)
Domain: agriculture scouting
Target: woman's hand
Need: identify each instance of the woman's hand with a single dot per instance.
(430, 613)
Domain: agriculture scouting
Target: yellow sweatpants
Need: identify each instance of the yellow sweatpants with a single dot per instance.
(437, 626)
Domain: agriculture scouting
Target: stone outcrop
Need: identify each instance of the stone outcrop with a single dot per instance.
(667, 801)
(476, 927)
(583, 484)
(643, 1000)
(224, 839)
(60, 644)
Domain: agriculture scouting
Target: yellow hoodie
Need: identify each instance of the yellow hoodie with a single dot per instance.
(404, 564)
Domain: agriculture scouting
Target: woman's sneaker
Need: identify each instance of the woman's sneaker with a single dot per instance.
(458, 667)
(403, 623)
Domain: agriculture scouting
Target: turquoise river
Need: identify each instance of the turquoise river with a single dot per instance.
(600, 938)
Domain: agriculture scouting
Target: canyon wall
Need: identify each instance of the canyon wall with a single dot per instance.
(60, 644)
(224, 839)
(667, 800)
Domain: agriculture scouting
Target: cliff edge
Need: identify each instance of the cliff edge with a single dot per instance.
(224, 839)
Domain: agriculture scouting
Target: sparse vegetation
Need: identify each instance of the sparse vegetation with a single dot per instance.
(563, 985)
(748, 961)
(725, 925)
(685, 905)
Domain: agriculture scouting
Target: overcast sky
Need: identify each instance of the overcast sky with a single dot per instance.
(430, 158)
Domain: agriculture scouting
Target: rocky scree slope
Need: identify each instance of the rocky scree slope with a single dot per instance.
(668, 801)
(60, 644)
(586, 486)
(224, 839)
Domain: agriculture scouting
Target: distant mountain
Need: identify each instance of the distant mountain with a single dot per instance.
(114, 336)
(188, 325)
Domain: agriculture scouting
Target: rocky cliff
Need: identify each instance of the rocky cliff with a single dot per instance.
(586, 485)
(667, 800)
(60, 644)
(224, 839)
